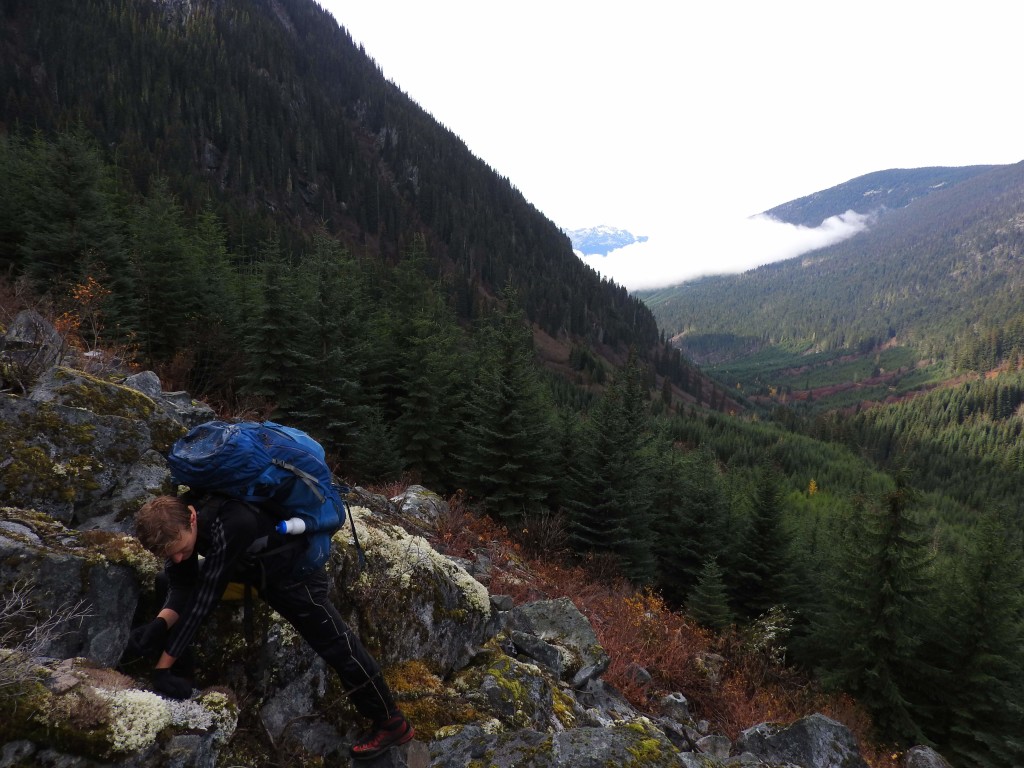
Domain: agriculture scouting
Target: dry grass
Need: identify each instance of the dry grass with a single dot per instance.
(726, 683)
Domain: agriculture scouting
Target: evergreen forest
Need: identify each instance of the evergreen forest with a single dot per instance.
(274, 227)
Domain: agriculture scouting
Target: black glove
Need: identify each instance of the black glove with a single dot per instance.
(170, 685)
(147, 640)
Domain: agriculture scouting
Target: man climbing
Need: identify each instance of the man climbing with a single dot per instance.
(226, 532)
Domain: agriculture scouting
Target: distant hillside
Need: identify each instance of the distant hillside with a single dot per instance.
(940, 277)
(874, 192)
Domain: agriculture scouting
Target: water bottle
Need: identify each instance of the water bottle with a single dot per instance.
(293, 525)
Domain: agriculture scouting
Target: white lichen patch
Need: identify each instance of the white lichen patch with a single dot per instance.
(224, 713)
(190, 715)
(136, 717)
(407, 560)
(212, 711)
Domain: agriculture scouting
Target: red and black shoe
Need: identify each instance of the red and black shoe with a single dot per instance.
(390, 733)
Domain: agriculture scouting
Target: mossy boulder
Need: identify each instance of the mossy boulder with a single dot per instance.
(178, 405)
(77, 389)
(409, 602)
(75, 464)
(71, 713)
(515, 694)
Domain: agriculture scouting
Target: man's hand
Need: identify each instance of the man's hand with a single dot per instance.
(147, 640)
(171, 685)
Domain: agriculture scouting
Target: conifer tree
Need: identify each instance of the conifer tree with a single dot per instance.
(612, 510)
(331, 404)
(168, 274)
(691, 521)
(69, 212)
(432, 386)
(984, 697)
(278, 366)
(761, 563)
(708, 602)
(872, 635)
(214, 333)
(508, 452)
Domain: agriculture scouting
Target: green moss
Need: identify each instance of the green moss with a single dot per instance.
(31, 472)
(426, 701)
(563, 707)
(646, 751)
(123, 550)
(102, 397)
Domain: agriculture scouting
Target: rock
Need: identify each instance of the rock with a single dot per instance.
(693, 760)
(559, 623)
(714, 745)
(294, 681)
(603, 705)
(413, 754)
(502, 603)
(676, 706)
(811, 741)
(421, 505)
(177, 405)
(409, 602)
(64, 568)
(633, 743)
(147, 382)
(74, 464)
(710, 664)
(924, 757)
(69, 387)
(32, 343)
(638, 674)
(516, 694)
(375, 502)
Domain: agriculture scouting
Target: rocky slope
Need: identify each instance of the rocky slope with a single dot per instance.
(487, 682)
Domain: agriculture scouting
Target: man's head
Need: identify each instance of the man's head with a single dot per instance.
(166, 526)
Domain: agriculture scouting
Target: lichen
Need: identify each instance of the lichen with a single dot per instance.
(136, 717)
(213, 711)
(405, 558)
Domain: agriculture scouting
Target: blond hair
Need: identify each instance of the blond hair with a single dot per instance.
(160, 521)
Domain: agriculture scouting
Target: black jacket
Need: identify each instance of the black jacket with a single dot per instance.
(238, 543)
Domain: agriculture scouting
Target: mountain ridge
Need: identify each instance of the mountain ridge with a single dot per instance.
(873, 193)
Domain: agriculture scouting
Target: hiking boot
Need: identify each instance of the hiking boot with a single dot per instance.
(390, 733)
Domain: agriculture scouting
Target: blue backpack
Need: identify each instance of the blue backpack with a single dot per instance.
(277, 468)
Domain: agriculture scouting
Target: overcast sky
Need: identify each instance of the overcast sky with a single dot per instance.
(680, 121)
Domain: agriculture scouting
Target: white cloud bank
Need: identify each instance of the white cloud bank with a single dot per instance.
(697, 249)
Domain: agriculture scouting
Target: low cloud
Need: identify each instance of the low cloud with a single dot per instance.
(697, 250)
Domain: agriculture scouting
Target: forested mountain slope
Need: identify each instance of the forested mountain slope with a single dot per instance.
(267, 112)
(933, 276)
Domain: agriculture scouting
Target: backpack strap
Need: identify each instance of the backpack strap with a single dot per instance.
(311, 482)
